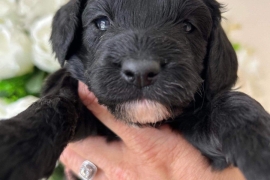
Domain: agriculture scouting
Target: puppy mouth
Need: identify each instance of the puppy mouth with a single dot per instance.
(142, 111)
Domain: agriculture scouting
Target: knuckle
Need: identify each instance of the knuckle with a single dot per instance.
(123, 173)
(70, 160)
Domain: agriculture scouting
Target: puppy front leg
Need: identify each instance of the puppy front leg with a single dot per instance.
(244, 130)
(31, 142)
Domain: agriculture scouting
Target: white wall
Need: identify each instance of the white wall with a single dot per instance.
(254, 17)
(254, 20)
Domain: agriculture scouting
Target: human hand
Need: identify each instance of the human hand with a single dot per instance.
(144, 153)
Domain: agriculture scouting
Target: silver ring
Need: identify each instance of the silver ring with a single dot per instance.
(88, 170)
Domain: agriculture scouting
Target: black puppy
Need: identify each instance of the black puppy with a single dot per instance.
(148, 61)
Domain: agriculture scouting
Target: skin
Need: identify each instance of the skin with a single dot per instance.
(144, 153)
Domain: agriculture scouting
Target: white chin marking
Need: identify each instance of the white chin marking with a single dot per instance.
(142, 111)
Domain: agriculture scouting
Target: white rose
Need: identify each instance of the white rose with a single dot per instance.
(32, 10)
(15, 51)
(5, 7)
(10, 110)
(8, 9)
(42, 53)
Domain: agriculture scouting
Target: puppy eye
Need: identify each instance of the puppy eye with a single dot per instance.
(188, 27)
(103, 23)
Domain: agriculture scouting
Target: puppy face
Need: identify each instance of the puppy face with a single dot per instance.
(144, 60)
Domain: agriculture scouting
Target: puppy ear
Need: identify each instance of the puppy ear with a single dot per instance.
(65, 30)
(221, 61)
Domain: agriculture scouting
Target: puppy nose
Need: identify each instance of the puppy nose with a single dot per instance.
(140, 72)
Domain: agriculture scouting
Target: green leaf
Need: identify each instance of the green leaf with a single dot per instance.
(34, 84)
(58, 173)
(21, 86)
(13, 89)
(236, 46)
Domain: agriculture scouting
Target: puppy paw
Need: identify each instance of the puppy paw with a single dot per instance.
(32, 141)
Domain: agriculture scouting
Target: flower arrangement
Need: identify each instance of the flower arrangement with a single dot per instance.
(25, 51)
(26, 54)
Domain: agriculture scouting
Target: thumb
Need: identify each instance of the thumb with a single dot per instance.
(86, 96)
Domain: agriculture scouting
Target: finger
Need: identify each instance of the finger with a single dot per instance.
(69, 174)
(95, 149)
(74, 162)
(127, 133)
(91, 102)
(71, 160)
(86, 96)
